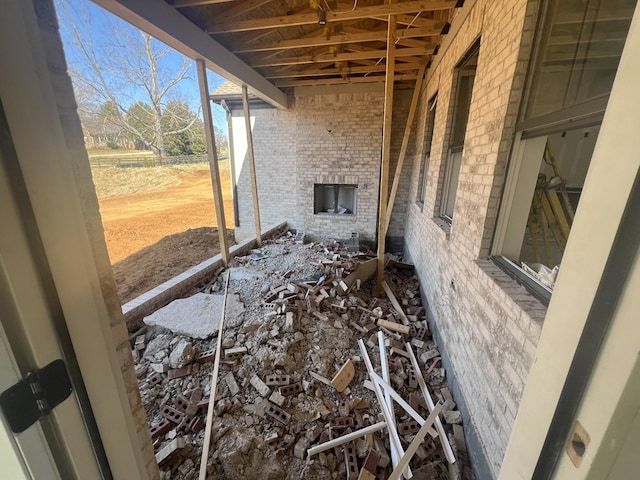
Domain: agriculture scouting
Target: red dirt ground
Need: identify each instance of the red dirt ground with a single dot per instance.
(153, 236)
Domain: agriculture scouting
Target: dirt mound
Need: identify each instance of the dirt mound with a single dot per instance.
(157, 263)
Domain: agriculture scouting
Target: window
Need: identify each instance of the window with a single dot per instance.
(577, 56)
(572, 72)
(465, 75)
(428, 138)
(334, 199)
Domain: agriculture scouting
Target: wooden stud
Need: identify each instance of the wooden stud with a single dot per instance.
(401, 401)
(394, 439)
(405, 144)
(252, 165)
(343, 57)
(339, 39)
(396, 327)
(340, 80)
(288, 73)
(343, 378)
(413, 446)
(395, 303)
(336, 442)
(214, 384)
(213, 160)
(386, 148)
(429, 401)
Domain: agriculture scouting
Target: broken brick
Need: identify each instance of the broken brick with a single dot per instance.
(277, 413)
(292, 389)
(179, 372)
(154, 380)
(167, 453)
(171, 414)
(408, 428)
(181, 403)
(160, 429)
(234, 353)
(206, 356)
(351, 462)
(230, 380)
(300, 450)
(260, 386)
(277, 380)
(139, 343)
(343, 422)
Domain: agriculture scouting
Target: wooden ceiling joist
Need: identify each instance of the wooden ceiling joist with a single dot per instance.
(319, 72)
(346, 80)
(196, 3)
(312, 18)
(414, 21)
(342, 57)
(343, 38)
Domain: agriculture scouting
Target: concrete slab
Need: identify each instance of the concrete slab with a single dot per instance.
(198, 316)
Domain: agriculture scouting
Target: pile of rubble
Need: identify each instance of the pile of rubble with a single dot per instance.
(297, 375)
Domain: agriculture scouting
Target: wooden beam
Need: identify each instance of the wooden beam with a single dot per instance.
(340, 80)
(169, 26)
(252, 165)
(394, 439)
(395, 303)
(344, 57)
(411, 20)
(444, 440)
(415, 443)
(386, 149)
(342, 38)
(405, 145)
(312, 18)
(336, 442)
(213, 159)
(347, 70)
(196, 3)
(212, 395)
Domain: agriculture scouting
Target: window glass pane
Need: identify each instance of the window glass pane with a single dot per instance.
(428, 138)
(562, 174)
(463, 103)
(456, 161)
(578, 54)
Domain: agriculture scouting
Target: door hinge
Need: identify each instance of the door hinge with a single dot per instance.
(35, 396)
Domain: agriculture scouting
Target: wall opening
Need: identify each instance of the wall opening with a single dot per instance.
(334, 199)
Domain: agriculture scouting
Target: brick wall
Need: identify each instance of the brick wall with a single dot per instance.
(67, 109)
(489, 325)
(322, 138)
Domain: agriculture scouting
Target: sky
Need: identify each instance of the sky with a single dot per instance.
(112, 40)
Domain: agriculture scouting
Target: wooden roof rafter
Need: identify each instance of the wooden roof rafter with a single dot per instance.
(312, 18)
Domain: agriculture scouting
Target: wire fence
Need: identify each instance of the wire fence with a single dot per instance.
(130, 161)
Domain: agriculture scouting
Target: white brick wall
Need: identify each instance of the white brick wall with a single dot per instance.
(322, 138)
(489, 324)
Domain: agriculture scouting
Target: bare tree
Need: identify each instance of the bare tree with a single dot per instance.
(126, 68)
